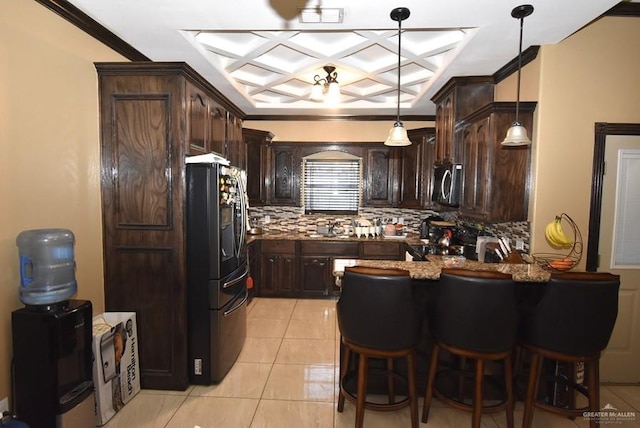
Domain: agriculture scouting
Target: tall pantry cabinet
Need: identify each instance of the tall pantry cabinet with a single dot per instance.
(152, 115)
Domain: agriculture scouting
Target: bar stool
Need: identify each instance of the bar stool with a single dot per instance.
(571, 323)
(476, 317)
(378, 319)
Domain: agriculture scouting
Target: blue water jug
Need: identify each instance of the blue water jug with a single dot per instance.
(47, 266)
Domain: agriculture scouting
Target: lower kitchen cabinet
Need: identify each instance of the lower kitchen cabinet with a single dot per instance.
(383, 250)
(304, 268)
(316, 276)
(278, 269)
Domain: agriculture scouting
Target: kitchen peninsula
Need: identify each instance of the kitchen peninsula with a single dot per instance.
(294, 264)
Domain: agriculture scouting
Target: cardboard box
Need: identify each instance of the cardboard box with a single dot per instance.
(116, 371)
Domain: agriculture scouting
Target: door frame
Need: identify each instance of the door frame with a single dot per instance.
(602, 129)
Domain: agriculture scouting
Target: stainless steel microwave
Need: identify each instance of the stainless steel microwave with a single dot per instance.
(447, 184)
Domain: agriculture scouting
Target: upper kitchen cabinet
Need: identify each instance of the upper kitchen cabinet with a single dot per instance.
(380, 176)
(416, 169)
(496, 178)
(284, 174)
(152, 115)
(257, 143)
(458, 98)
(210, 128)
(236, 147)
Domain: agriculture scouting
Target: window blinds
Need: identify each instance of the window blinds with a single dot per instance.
(331, 186)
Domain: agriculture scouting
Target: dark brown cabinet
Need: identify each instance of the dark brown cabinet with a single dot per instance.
(459, 97)
(210, 128)
(316, 275)
(285, 175)
(151, 116)
(496, 178)
(236, 150)
(278, 269)
(304, 269)
(383, 250)
(380, 176)
(416, 169)
(257, 144)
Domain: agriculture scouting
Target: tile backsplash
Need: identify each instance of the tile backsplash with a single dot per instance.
(283, 219)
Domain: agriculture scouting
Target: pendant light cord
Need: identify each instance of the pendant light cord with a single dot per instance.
(399, 50)
(519, 71)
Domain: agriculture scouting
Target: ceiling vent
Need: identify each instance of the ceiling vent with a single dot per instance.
(321, 15)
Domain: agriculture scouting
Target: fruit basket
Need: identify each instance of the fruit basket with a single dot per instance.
(557, 238)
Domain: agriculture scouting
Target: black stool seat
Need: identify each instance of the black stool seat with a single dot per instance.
(571, 323)
(377, 319)
(476, 318)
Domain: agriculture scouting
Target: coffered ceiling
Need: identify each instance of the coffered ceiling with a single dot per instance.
(263, 54)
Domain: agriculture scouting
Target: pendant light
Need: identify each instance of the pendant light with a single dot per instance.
(517, 134)
(398, 134)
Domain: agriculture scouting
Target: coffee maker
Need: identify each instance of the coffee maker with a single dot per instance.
(53, 364)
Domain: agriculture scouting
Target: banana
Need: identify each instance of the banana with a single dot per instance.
(560, 235)
(549, 233)
(555, 234)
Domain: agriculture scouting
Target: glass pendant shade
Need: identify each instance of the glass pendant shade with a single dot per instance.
(516, 136)
(397, 136)
(333, 93)
(316, 92)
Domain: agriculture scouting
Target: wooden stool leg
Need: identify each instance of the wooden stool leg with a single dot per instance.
(508, 382)
(461, 366)
(344, 369)
(594, 389)
(391, 388)
(477, 394)
(428, 395)
(413, 394)
(363, 371)
(532, 389)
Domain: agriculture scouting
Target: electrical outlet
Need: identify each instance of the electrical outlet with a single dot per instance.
(519, 244)
(4, 405)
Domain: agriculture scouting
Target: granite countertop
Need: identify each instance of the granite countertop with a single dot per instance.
(431, 269)
(409, 239)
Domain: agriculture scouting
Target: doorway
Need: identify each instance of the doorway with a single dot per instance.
(614, 144)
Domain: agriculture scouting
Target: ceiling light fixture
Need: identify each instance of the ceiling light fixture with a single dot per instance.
(398, 135)
(517, 134)
(326, 89)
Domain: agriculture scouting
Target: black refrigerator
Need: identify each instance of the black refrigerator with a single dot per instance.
(217, 268)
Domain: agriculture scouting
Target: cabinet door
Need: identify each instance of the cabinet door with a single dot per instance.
(416, 169)
(196, 122)
(143, 217)
(256, 142)
(316, 276)
(285, 182)
(217, 129)
(445, 122)
(476, 184)
(379, 173)
(236, 148)
(278, 276)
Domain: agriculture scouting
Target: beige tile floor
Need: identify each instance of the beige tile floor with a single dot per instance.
(286, 376)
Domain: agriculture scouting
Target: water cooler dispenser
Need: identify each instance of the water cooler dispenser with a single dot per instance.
(52, 366)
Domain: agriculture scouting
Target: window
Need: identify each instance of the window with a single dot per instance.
(331, 183)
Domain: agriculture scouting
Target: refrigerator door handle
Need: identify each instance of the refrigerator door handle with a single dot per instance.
(236, 280)
(238, 306)
(242, 199)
